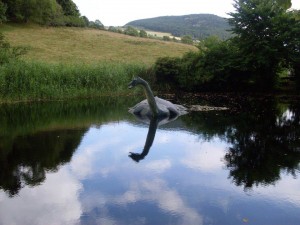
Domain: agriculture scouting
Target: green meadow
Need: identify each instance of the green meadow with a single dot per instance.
(85, 45)
(63, 63)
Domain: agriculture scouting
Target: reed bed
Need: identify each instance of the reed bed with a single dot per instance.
(32, 81)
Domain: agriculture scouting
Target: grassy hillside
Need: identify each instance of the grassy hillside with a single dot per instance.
(197, 25)
(64, 63)
(83, 45)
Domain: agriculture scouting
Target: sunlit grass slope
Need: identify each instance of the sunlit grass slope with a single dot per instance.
(80, 45)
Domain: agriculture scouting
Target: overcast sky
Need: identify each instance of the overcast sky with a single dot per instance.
(120, 12)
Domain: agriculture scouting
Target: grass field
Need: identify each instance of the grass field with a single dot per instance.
(64, 63)
(82, 45)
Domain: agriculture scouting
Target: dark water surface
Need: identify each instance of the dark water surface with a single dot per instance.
(68, 163)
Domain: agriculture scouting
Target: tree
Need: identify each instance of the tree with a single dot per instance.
(3, 8)
(166, 38)
(69, 7)
(97, 24)
(143, 33)
(268, 37)
(41, 11)
(131, 31)
(286, 4)
(187, 39)
(86, 21)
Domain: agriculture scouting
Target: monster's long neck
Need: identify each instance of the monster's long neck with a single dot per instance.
(150, 98)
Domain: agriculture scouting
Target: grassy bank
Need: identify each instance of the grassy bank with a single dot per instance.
(31, 81)
(83, 45)
(63, 63)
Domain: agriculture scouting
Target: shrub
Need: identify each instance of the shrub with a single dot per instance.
(131, 31)
(216, 66)
(3, 8)
(167, 70)
(143, 33)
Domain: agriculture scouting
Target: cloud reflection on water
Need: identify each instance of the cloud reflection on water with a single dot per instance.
(182, 180)
(149, 182)
(56, 201)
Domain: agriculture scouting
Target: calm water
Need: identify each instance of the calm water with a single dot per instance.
(68, 163)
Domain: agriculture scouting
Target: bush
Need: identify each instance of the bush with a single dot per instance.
(143, 33)
(3, 8)
(131, 31)
(217, 66)
(167, 70)
(187, 39)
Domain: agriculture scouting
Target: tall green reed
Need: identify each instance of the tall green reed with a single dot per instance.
(23, 81)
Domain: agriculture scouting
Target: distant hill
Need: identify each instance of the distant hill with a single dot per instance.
(199, 26)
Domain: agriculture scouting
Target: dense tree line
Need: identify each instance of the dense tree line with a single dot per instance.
(266, 42)
(46, 12)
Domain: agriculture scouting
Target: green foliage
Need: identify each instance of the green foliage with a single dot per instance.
(47, 12)
(3, 8)
(286, 4)
(41, 11)
(115, 29)
(198, 26)
(131, 31)
(217, 66)
(166, 38)
(69, 8)
(267, 36)
(167, 69)
(34, 81)
(143, 33)
(187, 39)
(97, 25)
(86, 21)
(266, 42)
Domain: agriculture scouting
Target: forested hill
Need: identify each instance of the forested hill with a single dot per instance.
(196, 25)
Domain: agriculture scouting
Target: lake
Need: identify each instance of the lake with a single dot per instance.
(92, 162)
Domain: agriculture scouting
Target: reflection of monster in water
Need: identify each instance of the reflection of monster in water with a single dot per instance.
(150, 138)
(26, 159)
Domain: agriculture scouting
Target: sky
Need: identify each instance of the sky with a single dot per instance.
(120, 12)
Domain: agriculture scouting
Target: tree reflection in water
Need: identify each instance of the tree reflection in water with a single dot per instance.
(36, 138)
(264, 138)
(30, 157)
(264, 143)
